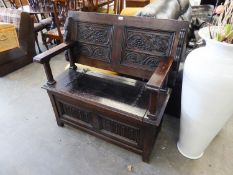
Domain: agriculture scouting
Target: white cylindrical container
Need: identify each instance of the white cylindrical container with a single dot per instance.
(207, 95)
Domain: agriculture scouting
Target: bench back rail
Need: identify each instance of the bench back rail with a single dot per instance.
(131, 46)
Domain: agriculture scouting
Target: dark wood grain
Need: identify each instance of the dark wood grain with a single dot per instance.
(47, 55)
(137, 3)
(125, 109)
(160, 74)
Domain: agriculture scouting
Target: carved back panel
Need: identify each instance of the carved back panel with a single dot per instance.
(132, 46)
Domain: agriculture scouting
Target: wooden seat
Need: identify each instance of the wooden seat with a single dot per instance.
(54, 33)
(125, 94)
(125, 109)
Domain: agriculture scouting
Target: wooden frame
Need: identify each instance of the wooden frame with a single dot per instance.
(127, 109)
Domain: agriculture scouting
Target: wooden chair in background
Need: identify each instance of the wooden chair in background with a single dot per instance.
(95, 5)
(102, 3)
(60, 11)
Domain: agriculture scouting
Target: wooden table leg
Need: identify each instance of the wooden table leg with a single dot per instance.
(118, 5)
(91, 6)
(121, 5)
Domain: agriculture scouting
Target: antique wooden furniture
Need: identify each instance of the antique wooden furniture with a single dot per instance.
(125, 109)
(137, 3)
(60, 10)
(94, 5)
(16, 58)
(101, 3)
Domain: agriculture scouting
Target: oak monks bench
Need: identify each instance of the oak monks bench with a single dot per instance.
(125, 108)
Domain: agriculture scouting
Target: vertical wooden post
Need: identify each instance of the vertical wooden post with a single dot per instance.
(148, 142)
(71, 59)
(55, 109)
(153, 104)
(21, 3)
(4, 4)
(49, 74)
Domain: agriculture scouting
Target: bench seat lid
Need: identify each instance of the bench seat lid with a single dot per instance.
(122, 95)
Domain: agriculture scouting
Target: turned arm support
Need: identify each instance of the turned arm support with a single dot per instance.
(160, 75)
(45, 57)
(156, 83)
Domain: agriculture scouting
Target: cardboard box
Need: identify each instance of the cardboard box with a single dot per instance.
(8, 37)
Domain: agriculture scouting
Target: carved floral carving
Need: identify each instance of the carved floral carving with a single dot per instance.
(98, 52)
(93, 33)
(95, 40)
(145, 48)
(149, 41)
(141, 59)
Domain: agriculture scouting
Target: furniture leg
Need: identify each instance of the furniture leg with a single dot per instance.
(44, 42)
(108, 7)
(59, 122)
(115, 7)
(121, 6)
(148, 142)
(37, 43)
(91, 6)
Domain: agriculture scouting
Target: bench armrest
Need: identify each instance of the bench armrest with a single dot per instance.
(47, 55)
(160, 74)
(155, 84)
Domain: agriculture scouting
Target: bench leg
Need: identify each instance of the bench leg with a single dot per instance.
(145, 157)
(59, 122)
(148, 141)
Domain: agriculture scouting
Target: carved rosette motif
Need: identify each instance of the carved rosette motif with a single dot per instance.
(94, 34)
(148, 42)
(100, 52)
(142, 59)
(145, 48)
(95, 40)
